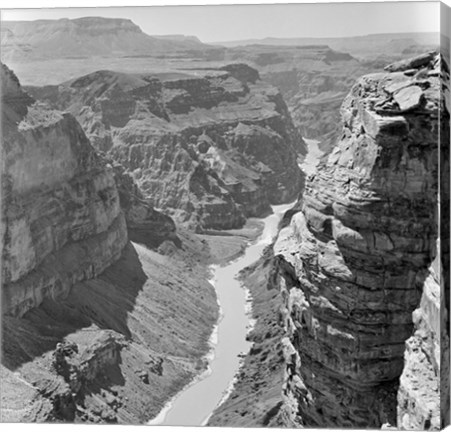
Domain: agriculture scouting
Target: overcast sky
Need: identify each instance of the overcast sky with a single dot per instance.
(235, 22)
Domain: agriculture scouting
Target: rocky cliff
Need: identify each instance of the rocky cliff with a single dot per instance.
(61, 218)
(312, 77)
(211, 147)
(94, 328)
(357, 260)
(144, 224)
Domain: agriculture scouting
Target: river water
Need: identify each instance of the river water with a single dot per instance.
(193, 405)
(311, 160)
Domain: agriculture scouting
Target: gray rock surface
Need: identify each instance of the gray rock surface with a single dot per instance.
(210, 148)
(356, 261)
(61, 218)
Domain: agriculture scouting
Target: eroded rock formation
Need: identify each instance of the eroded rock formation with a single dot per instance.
(356, 261)
(211, 148)
(61, 218)
(314, 79)
(144, 224)
(94, 328)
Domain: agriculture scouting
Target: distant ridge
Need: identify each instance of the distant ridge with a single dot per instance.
(87, 37)
(362, 46)
(179, 37)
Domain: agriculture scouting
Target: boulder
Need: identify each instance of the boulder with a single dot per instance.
(410, 64)
(409, 97)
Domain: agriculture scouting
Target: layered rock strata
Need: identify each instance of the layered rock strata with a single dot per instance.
(211, 148)
(61, 218)
(93, 37)
(423, 401)
(419, 390)
(355, 262)
(94, 327)
(144, 224)
(313, 78)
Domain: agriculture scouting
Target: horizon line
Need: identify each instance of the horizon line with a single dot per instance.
(211, 42)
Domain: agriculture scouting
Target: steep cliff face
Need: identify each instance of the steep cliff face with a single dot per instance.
(312, 77)
(427, 355)
(355, 261)
(210, 148)
(144, 224)
(420, 390)
(94, 328)
(61, 218)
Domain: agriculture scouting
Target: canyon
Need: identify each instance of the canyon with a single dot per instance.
(126, 190)
(90, 320)
(313, 74)
(212, 147)
(107, 308)
(330, 279)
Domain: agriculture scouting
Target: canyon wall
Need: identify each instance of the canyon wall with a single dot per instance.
(145, 225)
(95, 328)
(211, 147)
(313, 77)
(358, 259)
(61, 218)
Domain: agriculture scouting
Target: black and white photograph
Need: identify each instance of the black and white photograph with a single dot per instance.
(226, 215)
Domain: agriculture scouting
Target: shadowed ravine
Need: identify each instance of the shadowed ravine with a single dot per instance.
(194, 405)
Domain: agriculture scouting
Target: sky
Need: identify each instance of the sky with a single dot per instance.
(214, 23)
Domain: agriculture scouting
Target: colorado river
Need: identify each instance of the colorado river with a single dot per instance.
(193, 405)
(311, 160)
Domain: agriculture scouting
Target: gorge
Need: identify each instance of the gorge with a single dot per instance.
(176, 243)
(89, 331)
(88, 315)
(211, 147)
(193, 406)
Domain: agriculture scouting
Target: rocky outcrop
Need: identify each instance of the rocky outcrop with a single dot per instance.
(144, 224)
(61, 218)
(211, 148)
(117, 347)
(356, 261)
(81, 364)
(313, 79)
(419, 390)
(423, 397)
